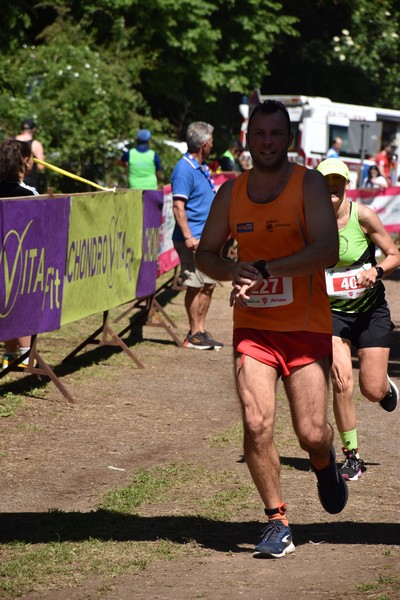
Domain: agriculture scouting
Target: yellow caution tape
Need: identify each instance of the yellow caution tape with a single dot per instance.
(71, 175)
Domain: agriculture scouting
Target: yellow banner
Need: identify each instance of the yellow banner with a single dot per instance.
(103, 253)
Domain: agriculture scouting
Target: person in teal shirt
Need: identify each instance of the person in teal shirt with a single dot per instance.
(144, 165)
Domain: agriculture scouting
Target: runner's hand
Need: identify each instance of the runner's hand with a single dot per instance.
(246, 279)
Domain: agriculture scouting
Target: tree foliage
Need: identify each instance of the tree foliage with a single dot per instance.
(91, 72)
(347, 51)
(371, 43)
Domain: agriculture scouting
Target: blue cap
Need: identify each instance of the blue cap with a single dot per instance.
(143, 136)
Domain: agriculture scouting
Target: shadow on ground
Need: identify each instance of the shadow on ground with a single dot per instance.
(95, 353)
(220, 536)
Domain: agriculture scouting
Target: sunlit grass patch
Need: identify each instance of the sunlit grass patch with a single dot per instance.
(231, 435)
(156, 517)
(27, 567)
(183, 488)
(385, 588)
(9, 404)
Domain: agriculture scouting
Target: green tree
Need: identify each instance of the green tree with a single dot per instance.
(91, 72)
(205, 55)
(371, 43)
(84, 98)
(347, 51)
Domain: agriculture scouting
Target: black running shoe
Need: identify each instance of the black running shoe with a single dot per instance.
(389, 402)
(332, 488)
(216, 345)
(198, 341)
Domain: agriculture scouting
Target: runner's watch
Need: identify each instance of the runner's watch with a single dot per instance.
(260, 266)
(380, 272)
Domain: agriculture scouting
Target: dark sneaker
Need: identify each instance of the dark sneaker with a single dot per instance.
(389, 402)
(198, 341)
(216, 345)
(352, 467)
(332, 488)
(276, 541)
(8, 358)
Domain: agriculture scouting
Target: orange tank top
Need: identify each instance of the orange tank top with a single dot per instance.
(270, 231)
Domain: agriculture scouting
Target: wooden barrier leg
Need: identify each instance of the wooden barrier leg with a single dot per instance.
(156, 306)
(154, 311)
(126, 312)
(108, 331)
(147, 314)
(37, 366)
(46, 370)
(89, 340)
(108, 338)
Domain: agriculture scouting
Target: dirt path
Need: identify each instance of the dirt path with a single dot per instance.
(59, 456)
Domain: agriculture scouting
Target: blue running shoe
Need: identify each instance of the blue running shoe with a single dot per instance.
(332, 488)
(276, 541)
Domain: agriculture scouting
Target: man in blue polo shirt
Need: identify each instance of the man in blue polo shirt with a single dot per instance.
(193, 191)
(144, 165)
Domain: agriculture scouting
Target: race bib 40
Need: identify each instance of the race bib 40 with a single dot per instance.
(342, 282)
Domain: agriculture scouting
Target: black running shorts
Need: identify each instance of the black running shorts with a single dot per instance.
(365, 330)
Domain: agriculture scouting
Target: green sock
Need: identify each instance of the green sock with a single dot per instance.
(349, 440)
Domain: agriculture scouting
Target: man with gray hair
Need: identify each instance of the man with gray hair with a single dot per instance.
(193, 192)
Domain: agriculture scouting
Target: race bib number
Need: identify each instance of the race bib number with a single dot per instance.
(274, 291)
(341, 282)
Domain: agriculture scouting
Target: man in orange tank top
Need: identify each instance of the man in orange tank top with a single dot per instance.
(282, 219)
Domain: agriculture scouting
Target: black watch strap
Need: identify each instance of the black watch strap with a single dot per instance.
(260, 266)
(380, 272)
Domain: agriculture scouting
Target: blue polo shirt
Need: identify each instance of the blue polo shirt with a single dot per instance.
(192, 183)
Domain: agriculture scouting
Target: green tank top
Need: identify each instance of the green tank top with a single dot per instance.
(142, 170)
(356, 250)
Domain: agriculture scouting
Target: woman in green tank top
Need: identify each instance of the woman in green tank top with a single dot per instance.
(361, 316)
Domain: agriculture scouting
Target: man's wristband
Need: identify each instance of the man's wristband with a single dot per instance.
(260, 266)
(379, 272)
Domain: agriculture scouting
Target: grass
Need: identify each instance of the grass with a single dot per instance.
(155, 517)
(54, 346)
(122, 537)
(231, 436)
(54, 565)
(9, 404)
(388, 588)
(67, 553)
(216, 495)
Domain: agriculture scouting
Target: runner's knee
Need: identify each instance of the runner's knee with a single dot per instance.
(315, 437)
(374, 391)
(342, 381)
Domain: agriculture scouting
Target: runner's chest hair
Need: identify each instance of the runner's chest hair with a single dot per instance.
(264, 194)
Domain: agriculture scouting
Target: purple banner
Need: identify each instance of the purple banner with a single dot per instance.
(33, 244)
(152, 211)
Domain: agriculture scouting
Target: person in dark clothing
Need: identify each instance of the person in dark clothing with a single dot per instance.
(35, 178)
(229, 160)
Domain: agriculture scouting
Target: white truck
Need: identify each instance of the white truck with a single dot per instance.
(317, 120)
